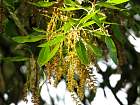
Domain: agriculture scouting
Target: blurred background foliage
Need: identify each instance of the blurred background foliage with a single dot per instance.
(19, 17)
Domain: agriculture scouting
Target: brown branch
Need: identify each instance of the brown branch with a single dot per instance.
(94, 2)
(1, 15)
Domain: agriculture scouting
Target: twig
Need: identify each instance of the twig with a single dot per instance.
(1, 15)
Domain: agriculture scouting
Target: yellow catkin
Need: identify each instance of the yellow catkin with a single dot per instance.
(51, 66)
(70, 60)
(59, 74)
(51, 27)
(70, 76)
(82, 80)
(52, 24)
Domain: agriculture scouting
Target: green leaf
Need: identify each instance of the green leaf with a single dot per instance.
(97, 20)
(106, 22)
(54, 41)
(17, 22)
(39, 30)
(88, 23)
(15, 59)
(53, 52)
(29, 38)
(99, 33)
(43, 4)
(45, 54)
(10, 28)
(70, 3)
(117, 32)
(70, 9)
(82, 52)
(108, 5)
(67, 26)
(117, 1)
(87, 17)
(96, 50)
(112, 49)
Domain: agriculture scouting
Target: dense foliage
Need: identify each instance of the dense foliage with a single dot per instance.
(63, 39)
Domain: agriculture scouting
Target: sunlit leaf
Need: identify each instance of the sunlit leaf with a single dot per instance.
(45, 54)
(96, 20)
(70, 9)
(67, 26)
(88, 23)
(117, 1)
(54, 41)
(99, 33)
(112, 49)
(87, 17)
(29, 38)
(53, 52)
(43, 4)
(82, 52)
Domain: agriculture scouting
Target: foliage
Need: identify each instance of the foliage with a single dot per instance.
(63, 38)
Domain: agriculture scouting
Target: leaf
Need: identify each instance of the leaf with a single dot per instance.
(70, 3)
(10, 28)
(43, 4)
(70, 9)
(99, 33)
(87, 17)
(53, 52)
(82, 52)
(15, 59)
(112, 49)
(88, 23)
(17, 22)
(106, 22)
(96, 50)
(97, 20)
(39, 30)
(45, 54)
(117, 1)
(108, 5)
(29, 38)
(117, 32)
(67, 26)
(54, 41)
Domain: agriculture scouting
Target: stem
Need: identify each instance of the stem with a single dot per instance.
(1, 14)
(94, 2)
